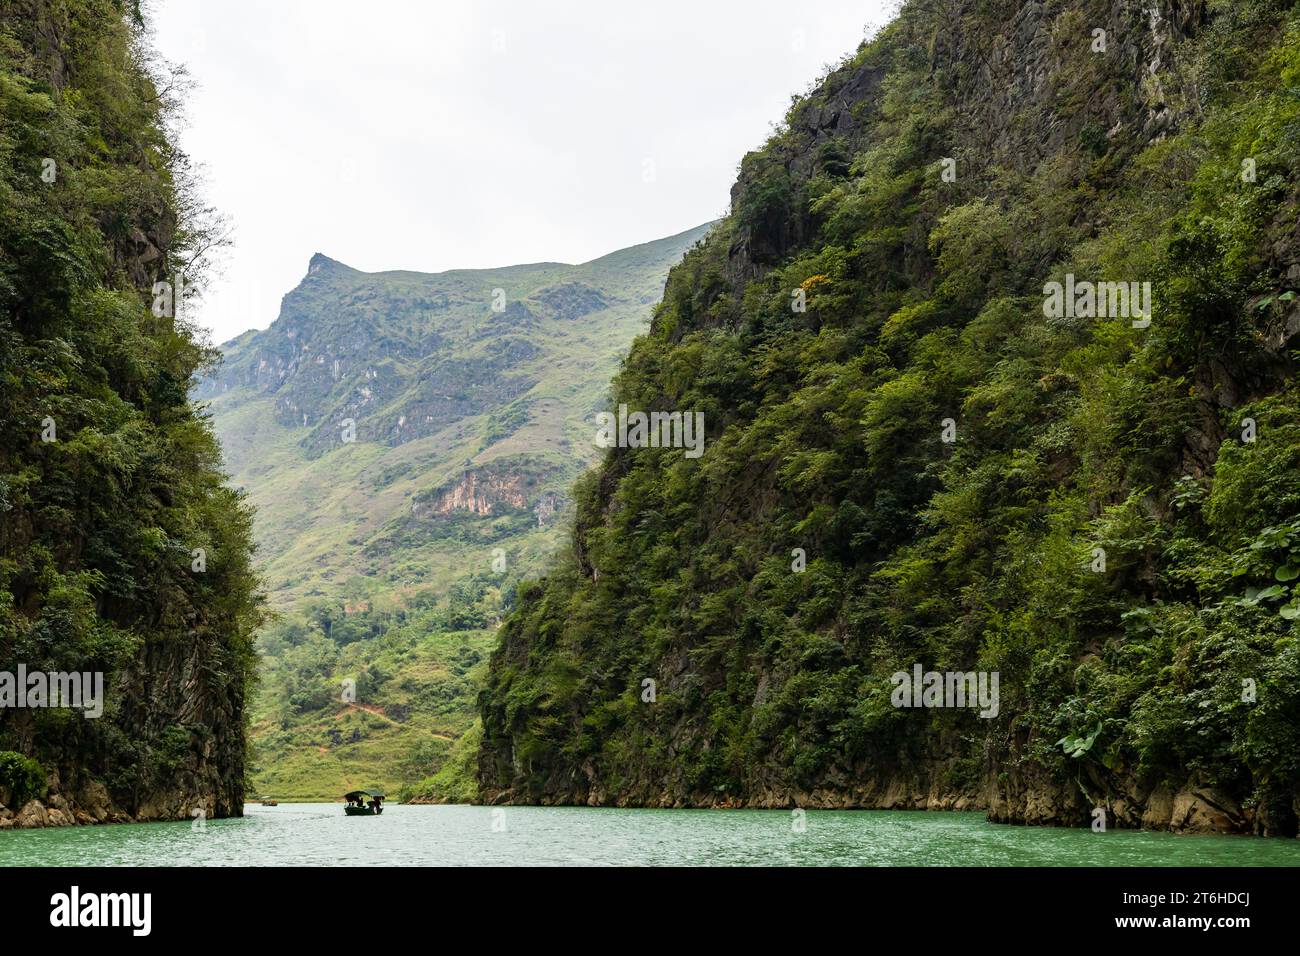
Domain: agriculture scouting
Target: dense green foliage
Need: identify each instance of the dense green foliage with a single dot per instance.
(110, 479)
(22, 778)
(925, 303)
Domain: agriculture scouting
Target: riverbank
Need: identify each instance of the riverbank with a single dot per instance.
(1194, 808)
(90, 803)
(1201, 811)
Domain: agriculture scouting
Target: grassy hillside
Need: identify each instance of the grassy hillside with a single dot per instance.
(408, 441)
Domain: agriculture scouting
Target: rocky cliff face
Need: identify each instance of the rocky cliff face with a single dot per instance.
(122, 556)
(1019, 93)
(336, 356)
(911, 460)
(396, 357)
(509, 485)
(479, 494)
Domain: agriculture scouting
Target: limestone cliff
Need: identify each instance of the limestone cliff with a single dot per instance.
(123, 557)
(912, 460)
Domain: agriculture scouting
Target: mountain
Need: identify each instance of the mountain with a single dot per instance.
(127, 598)
(922, 458)
(408, 441)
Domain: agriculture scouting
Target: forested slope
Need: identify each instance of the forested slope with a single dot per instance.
(121, 552)
(1102, 510)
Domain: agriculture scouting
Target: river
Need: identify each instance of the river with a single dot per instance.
(319, 834)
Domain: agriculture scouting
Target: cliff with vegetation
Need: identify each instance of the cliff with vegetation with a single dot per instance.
(408, 440)
(121, 552)
(914, 458)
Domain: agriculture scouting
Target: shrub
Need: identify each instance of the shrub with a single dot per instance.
(22, 776)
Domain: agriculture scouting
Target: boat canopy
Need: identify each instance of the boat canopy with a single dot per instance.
(359, 794)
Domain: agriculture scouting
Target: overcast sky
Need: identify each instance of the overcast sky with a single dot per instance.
(448, 134)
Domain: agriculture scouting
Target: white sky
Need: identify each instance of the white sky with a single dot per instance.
(448, 134)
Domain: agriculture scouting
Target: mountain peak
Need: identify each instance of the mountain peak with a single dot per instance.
(321, 262)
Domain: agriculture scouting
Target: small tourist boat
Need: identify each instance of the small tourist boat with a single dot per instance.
(270, 803)
(364, 803)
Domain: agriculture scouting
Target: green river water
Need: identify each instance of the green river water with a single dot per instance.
(319, 834)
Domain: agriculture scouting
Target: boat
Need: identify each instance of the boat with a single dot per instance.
(270, 803)
(364, 803)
